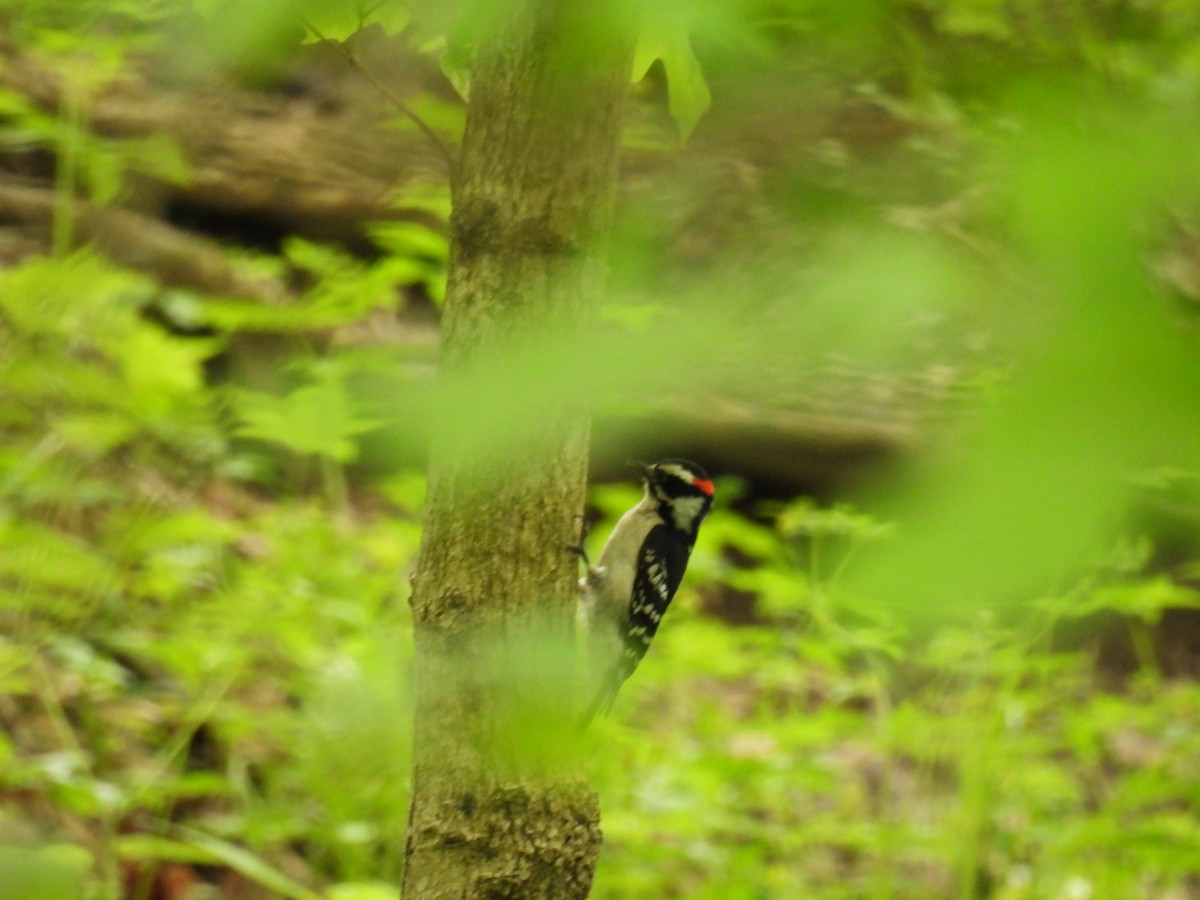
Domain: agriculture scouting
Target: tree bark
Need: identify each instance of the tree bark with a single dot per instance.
(496, 809)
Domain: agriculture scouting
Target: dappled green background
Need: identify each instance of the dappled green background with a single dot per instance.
(970, 672)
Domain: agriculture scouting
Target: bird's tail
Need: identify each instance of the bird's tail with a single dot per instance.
(606, 694)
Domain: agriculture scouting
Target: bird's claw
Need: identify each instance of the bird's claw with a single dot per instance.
(578, 549)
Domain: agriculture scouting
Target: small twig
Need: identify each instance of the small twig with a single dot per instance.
(57, 714)
(388, 94)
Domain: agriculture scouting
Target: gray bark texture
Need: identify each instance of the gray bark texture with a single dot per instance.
(497, 811)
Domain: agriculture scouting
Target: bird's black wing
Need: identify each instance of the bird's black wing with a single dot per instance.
(661, 562)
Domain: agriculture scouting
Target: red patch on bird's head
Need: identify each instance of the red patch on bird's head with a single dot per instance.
(704, 485)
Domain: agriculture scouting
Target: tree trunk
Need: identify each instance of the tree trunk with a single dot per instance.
(496, 810)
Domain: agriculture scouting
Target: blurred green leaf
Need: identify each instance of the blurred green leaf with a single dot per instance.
(363, 890)
(193, 845)
(687, 91)
(936, 216)
(1102, 386)
(1144, 600)
(48, 873)
(320, 418)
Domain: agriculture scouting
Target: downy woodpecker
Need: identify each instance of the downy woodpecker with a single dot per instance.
(625, 595)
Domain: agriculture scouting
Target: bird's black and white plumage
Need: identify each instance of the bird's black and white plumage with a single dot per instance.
(627, 592)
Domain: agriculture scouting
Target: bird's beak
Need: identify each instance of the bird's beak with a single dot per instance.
(642, 467)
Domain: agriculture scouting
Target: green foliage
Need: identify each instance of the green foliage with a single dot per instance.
(316, 418)
(340, 289)
(980, 757)
(202, 849)
(101, 165)
(1002, 502)
(338, 20)
(52, 872)
(95, 165)
(203, 670)
(689, 96)
(150, 612)
(84, 373)
(253, 40)
(284, 606)
(419, 253)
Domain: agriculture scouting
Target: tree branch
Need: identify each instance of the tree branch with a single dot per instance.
(387, 93)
